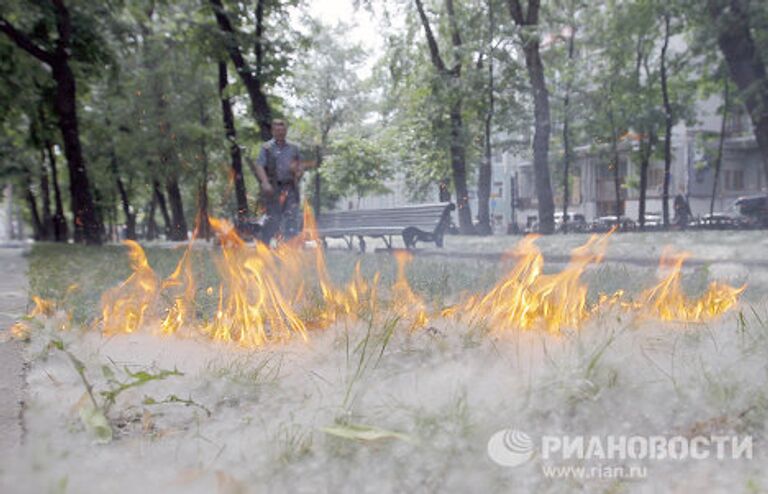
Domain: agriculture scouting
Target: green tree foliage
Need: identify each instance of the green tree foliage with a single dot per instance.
(143, 141)
(330, 99)
(356, 167)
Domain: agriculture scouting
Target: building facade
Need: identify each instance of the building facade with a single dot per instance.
(692, 173)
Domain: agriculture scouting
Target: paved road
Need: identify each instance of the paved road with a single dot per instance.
(13, 300)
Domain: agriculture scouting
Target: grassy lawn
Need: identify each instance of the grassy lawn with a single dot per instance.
(364, 407)
(54, 269)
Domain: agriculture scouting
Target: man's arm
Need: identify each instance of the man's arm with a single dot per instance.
(307, 164)
(301, 164)
(258, 170)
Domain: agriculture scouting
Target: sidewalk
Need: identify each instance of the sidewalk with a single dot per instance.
(13, 301)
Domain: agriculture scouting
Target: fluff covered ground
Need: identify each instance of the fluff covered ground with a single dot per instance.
(379, 408)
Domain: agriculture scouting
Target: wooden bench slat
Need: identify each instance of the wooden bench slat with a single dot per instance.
(414, 222)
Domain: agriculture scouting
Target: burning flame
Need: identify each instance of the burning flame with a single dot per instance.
(527, 297)
(43, 307)
(357, 298)
(668, 302)
(270, 295)
(124, 306)
(180, 310)
(405, 303)
(252, 310)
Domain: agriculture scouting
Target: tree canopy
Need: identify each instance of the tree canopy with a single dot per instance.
(156, 108)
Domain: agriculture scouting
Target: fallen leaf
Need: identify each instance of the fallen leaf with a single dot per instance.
(96, 423)
(364, 433)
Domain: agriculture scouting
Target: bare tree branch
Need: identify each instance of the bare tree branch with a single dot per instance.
(455, 37)
(23, 42)
(516, 11)
(434, 51)
(63, 26)
(261, 109)
(533, 12)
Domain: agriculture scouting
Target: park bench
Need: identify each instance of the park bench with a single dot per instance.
(419, 223)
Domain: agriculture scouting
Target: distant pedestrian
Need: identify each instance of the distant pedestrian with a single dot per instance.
(682, 211)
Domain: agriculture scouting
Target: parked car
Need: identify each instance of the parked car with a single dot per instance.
(754, 209)
(653, 221)
(718, 221)
(605, 223)
(531, 224)
(576, 222)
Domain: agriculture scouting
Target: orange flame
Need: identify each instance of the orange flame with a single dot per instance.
(252, 310)
(527, 297)
(405, 303)
(124, 306)
(262, 293)
(43, 307)
(180, 310)
(20, 330)
(357, 297)
(668, 302)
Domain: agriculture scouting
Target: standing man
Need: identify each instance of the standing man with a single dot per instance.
(279, 168)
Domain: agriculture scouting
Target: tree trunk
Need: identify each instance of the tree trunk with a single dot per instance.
(130, 215)
(566, 133)
(8, 200)
(111, 223)
(646, 150)
(566, 169)
(259, 45)
(150, 225)
(485, 175)
(452, 79)
(617, 183)
(459, 169)
(87, 226)
(484, 178)
(175, 223)
(178, 231)
(541, 139)
(616, 168)
(644, 159)
(745, 64)
(202, 225)
(98, 201)
(720, 145)
(262, 112)
(45, 192)
(59, 220)
(160, 198)
(318, 179)
(234, 149)
(529, 19)
(668, 121)
(37, 225)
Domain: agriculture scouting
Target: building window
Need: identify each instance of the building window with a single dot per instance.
(655, 177)
(738, 180)
(734, 179)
